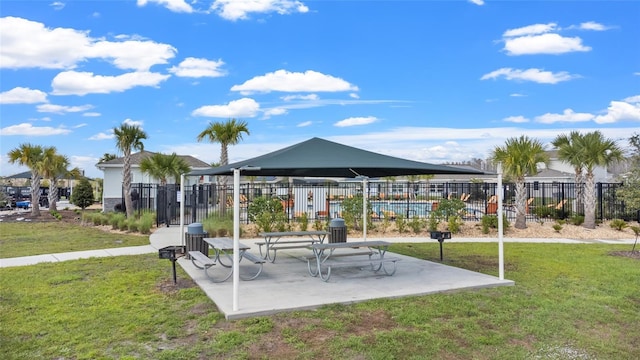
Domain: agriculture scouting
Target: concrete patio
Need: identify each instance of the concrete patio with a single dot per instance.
(287, 286)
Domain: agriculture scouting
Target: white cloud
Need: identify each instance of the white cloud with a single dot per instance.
(300, 97)
(57, 5)
(179, 6)
(516, 119)
(305, 124)
(244, 107)
(103, 136)
(267, 113)
(517, 95)
(82, 83)
(592, 25)
(285, 81)
(29, 44)
(356, 121)
(619, 111)
(547, 43)
(535, 75)
(633, 99)
(568, 115)
(26, 129)
(92, 114)
(477, 2)
(354, 96)
(130, 122)
(21, 95)
(61, 109)
(196, 68)
(534, 29)
(240, 10)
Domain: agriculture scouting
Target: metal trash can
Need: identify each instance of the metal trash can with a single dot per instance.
(337, 231)
(194, 239)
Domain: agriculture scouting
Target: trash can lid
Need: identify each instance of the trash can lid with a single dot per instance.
(336, 222)
(195, 228)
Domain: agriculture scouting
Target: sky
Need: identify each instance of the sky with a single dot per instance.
(432, 81)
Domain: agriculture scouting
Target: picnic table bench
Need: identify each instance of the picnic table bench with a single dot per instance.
(273, 241)
(325, 257)
(223, 249)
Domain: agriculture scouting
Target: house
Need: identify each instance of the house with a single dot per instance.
(112, 194)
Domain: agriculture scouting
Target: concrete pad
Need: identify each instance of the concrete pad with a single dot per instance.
(287, 286)
(27, 260)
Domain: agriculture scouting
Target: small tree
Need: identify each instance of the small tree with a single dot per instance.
(82, 194)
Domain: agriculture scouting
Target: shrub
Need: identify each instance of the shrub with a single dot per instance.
(132, 225)
(618, 224)
(304, 221)
(557, 227)
(215, 224)
(267, 214)
(416, 224)
(447, 208)
(123, 224)
(55, 214)
(146, 222)
(491, 222)
(433, 222)
(576, 219)
(82, 194)
(401, 225)
(318, 225)
(116, 219)
(454, 224)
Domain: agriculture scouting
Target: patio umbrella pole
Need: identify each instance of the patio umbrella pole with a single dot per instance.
(500, 225)
(236, 236)
(181, 211)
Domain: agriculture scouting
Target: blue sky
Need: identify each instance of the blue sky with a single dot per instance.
(433, 81)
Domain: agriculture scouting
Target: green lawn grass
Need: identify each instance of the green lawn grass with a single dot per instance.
(569, 302)
(36, 238)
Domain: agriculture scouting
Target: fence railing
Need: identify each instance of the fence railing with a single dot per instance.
(545, 201)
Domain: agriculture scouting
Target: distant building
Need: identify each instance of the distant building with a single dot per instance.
(112, 169)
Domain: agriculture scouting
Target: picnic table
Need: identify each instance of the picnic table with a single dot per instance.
(328, 256)
(223, 249)
(274, 241)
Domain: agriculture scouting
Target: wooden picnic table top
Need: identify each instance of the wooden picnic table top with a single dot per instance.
(351, 244)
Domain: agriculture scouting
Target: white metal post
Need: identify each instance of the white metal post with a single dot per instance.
(182, 209)
(500, 225)
(365, 214)
(236, 237)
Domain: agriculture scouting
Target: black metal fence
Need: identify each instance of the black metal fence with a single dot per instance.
(322, 200)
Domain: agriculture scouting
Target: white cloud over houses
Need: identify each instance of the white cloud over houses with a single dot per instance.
(82, 83)
(62, 109)
(286, 81)
(241, 10)
(26, 129)
(568, 115)
(103, 136)
(30, 44)
(245, 107)
(197, 68)
(541, 39)
(356, 121)
(21, 95)
(533, 74)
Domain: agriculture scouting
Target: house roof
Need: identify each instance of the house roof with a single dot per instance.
(136, 159)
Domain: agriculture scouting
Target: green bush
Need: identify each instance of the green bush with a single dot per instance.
(146, 222)
(454, 224)
(491, 222)
(416, 224)
(557, 227)
(116, 219)
(303, 219)
(433, 222)
(401, 224)
(123, 224)
(576, 219)
(618, 224)
(447, 208)
(55, 214)
(216, 224)
(132, 224)
(268, 214)
(82, 194)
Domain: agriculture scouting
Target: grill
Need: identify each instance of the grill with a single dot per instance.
(172, 253)
(440, 236)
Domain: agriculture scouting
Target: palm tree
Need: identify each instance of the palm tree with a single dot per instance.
(520, 157)
(162, 167)
(107, 157)
(31, 156)
(226, 133)
(55, 167)
(570, 151)
(596, 150)
(128, 137)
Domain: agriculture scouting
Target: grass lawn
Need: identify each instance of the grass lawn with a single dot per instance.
(36, 238)
(569, 302)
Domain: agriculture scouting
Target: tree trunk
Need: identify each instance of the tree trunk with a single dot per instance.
(590, 202)
(35, 194)
(521, 203)
(579, 191)
(126, 184)
(53, 195)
